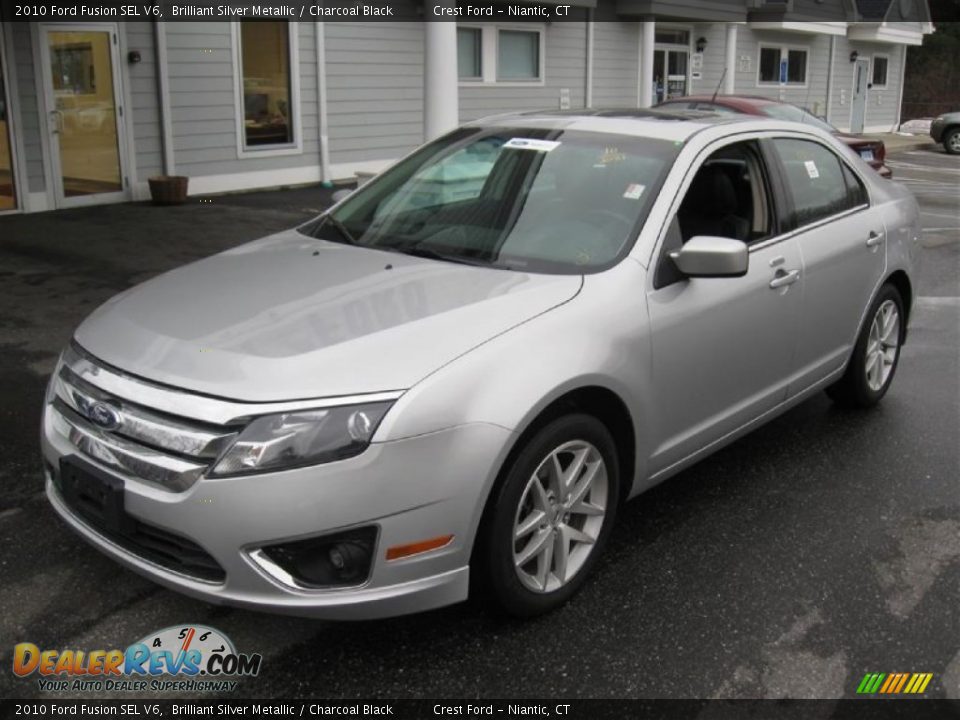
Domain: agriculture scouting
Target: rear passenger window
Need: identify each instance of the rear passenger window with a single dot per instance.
(858, 193)
(816, 180)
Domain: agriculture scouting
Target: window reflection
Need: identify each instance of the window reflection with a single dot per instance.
(265, 52)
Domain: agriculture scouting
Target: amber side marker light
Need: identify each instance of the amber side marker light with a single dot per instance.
(401, 551)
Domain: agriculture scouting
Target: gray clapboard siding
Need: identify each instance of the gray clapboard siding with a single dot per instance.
(616, 56)
(564, 67)
(203, 101)
(374, 89)
(143, 94)
(29, 120)
(714, 57)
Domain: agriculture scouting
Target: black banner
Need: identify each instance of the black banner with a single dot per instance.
(847, 709)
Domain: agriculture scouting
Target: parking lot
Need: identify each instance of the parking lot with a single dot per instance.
(821, 547)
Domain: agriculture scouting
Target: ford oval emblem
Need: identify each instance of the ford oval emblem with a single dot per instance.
(104, 416)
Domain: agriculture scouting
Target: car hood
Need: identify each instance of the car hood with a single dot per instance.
(290, 317)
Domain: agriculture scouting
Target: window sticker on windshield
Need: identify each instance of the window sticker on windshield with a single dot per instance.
(531, 144)
(609, 156)
(811, 168)
(634, 191)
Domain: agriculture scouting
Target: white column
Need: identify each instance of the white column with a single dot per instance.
(729, 80)
(440, 91)
(647, 28)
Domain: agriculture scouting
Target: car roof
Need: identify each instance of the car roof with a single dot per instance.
(738, 100)
(658, 124)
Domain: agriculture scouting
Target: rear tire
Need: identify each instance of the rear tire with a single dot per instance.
(876, 354)
(549, 519)
(951, 141)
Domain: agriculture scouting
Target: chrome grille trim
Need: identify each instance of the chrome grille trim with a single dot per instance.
(205, 409)
(121, 455)
(139, 424)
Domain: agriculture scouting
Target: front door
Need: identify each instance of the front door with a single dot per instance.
(82, 87)
(859, 103)
(669, 73)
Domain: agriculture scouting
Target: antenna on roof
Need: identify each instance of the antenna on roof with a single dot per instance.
(719, 84)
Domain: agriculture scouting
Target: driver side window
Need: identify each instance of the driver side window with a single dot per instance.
(728, 197)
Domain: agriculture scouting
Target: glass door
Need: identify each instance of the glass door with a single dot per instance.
(8, 188)
(669, 73)
(80, 72)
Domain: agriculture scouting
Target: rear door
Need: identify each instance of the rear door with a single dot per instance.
(842, 241)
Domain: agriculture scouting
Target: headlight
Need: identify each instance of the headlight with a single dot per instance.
(51, 392)
(302, 437)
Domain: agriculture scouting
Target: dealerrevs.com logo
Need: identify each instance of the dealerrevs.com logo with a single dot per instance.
(184, 658)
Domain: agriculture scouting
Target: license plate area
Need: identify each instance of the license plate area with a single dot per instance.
(867, 155)
(94, 494)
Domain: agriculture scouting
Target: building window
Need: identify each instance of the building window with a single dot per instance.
(265, 63)
(671, 37)
(518, 55)
(879, 71)
(769, 65)
(470, 53)
(496, 54)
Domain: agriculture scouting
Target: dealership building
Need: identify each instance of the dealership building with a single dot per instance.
(90, 110)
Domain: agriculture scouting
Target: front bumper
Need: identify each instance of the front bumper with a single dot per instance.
(936, 130)
(410, 489)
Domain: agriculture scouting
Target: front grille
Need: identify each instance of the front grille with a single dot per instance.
(146, 541)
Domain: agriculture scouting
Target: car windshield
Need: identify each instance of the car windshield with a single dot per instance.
(531, 199)
(785, 111)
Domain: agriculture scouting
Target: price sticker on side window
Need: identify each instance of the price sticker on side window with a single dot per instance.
(531, 144)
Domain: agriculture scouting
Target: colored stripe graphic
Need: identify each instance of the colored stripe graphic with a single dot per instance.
(894, 683)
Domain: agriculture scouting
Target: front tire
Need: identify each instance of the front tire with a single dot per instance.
(951, 141)
(876, 354)
(550, 518)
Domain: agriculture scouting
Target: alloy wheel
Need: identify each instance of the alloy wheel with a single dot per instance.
(882, 345)
(560, 516)
(954, 142)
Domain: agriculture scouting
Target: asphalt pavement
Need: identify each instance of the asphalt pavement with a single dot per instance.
(819, 548)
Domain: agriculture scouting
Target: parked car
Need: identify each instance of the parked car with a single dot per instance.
(946, 129)
(871, 150)
(356, 417)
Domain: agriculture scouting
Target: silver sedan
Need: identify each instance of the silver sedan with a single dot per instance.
(463, 369)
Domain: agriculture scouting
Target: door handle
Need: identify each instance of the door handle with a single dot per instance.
(874, 239)
(783, 278)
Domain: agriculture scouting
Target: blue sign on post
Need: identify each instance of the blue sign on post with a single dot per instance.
(783, 71)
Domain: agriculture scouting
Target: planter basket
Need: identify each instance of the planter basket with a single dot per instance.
(168, 189)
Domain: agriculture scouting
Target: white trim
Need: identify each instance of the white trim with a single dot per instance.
(674, 47)
(784, 54)
(903, 72)
(260, 151)
(54, 179)
(490, 55)
(265, 179)
(588, 89)
(830, 69)
(320, 39)
(884, 33)
(818, 28)
(18, 168)
(853, 93)
(886, 79)
(46, 148)
(130, 177)
(38, 202)
(163, 96)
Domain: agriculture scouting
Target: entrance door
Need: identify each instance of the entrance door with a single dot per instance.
(8, 185)
(81, 80)
(859, 103)
(669, 74)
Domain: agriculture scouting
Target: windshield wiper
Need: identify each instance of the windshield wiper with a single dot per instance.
(436, 255)
(340, 228)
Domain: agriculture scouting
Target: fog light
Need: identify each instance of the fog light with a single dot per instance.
(328, 561)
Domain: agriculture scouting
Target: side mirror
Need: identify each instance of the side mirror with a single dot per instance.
(709, 256)
(341, 194)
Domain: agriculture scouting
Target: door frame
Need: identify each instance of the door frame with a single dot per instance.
(674, 47)
(46, 103)
(12, 100)
(853, 91)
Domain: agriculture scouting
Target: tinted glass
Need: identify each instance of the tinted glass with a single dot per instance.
(815, 180)
(265, 54)
(858, 193)
(797, 66)
(469, 63)
(770, 65)
(785, 111)
(518, 55)
(879, 71)
(528, 199)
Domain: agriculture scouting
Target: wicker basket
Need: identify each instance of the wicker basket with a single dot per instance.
(168, 189)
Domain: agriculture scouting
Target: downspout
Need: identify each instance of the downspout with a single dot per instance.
(163, 96)
(588, 90)
(325, 178)
(829, 103)
(903, 77)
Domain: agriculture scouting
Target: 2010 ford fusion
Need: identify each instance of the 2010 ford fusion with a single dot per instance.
(463, 370)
